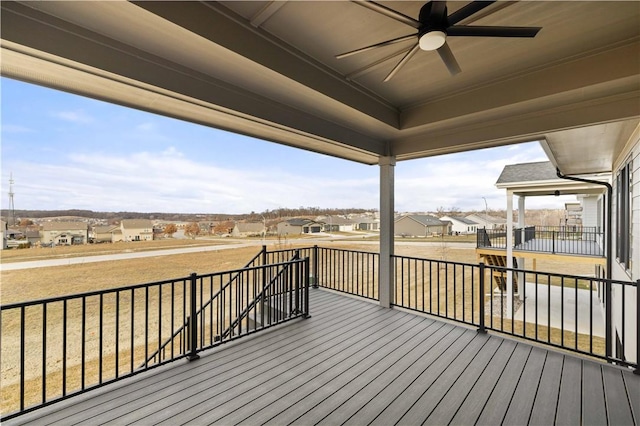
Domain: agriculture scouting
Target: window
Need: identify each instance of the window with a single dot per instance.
(623, 204)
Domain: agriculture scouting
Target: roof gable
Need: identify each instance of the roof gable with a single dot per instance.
(424, 219)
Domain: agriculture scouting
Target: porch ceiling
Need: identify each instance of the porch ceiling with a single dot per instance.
(268, 70)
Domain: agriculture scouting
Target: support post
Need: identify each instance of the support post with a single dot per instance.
(385, 278)
(637, 369)
(193, 320)
(523, 233)
(509, 252)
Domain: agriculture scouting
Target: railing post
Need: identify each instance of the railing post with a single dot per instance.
(637, 370)
(306, 287)
(193, 320)
(315, 267)
(481, 307)
(553, 242)
(608, 332)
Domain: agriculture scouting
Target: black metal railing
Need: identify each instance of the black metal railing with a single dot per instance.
(347, 271)
(444, 289)
(55, 348)
(180, 335)
(559, 310)
(52, 349)
(575, 240)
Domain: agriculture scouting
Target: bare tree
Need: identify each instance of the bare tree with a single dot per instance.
(170, 229)
(192, 230)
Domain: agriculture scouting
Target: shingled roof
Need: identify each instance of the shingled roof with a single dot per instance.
(528, 172)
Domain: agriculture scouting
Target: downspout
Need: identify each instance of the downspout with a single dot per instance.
(609, 252)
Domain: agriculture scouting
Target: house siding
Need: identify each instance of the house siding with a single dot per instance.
(590, 212)
(136, 230)
(618, 270)
(65, 233)
(407, 226)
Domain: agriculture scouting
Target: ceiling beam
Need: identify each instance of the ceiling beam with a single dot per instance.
(559, 84)
(221, 26)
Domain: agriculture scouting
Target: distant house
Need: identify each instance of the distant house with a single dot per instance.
(299, 226)
(416, 225)
(136, 229)
(3, 228)
(461, 225)
(573, 214)
(248, 229)
(367, 224)
(64, 233)
(106, 234)
(488, 221)
(32, 235)
(338, 224)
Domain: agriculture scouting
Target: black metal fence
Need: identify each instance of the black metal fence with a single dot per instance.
(564, 311)
(52, 349)
(576, 240)
(59, 347)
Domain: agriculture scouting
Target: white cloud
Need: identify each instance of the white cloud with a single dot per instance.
(12, 128)
(167, 180)
(77, 116)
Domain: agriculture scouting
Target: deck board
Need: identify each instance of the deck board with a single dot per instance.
(524, 396)
(354, 362)
(570, 398)
(544, 407)
(618, 406)
(478, 395)
(594, 410)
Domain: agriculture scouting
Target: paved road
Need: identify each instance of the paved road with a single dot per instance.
(327, 240)
(119, 256)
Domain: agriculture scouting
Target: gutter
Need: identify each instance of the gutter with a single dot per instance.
(609, 252)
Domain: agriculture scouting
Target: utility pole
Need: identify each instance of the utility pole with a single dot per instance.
(12, 210)
(486, 212)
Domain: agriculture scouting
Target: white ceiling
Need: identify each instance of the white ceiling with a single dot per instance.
(268, 69)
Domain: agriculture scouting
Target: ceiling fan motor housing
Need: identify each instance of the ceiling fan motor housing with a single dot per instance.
(433, 18)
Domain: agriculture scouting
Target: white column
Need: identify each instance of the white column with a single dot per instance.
(385, 278)
(509, 251)
(521, 260)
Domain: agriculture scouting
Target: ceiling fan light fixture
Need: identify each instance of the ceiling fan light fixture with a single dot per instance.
(432, 40)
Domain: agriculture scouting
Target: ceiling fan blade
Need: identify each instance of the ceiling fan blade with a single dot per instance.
(371, 66)
(468, 10)
(449, 60)
(376, 7)
(481, 31)
(402, 62)
(375, 46)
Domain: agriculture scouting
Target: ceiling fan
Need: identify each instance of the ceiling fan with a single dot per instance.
(434, 26)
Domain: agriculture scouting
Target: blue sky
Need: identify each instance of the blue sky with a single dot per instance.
(71, 152)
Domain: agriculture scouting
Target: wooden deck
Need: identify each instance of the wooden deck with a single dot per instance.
(354, 362)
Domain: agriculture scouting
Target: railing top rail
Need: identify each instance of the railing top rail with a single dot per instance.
(446, 262)
(349, 250)
(91, 293)
(558, 274)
